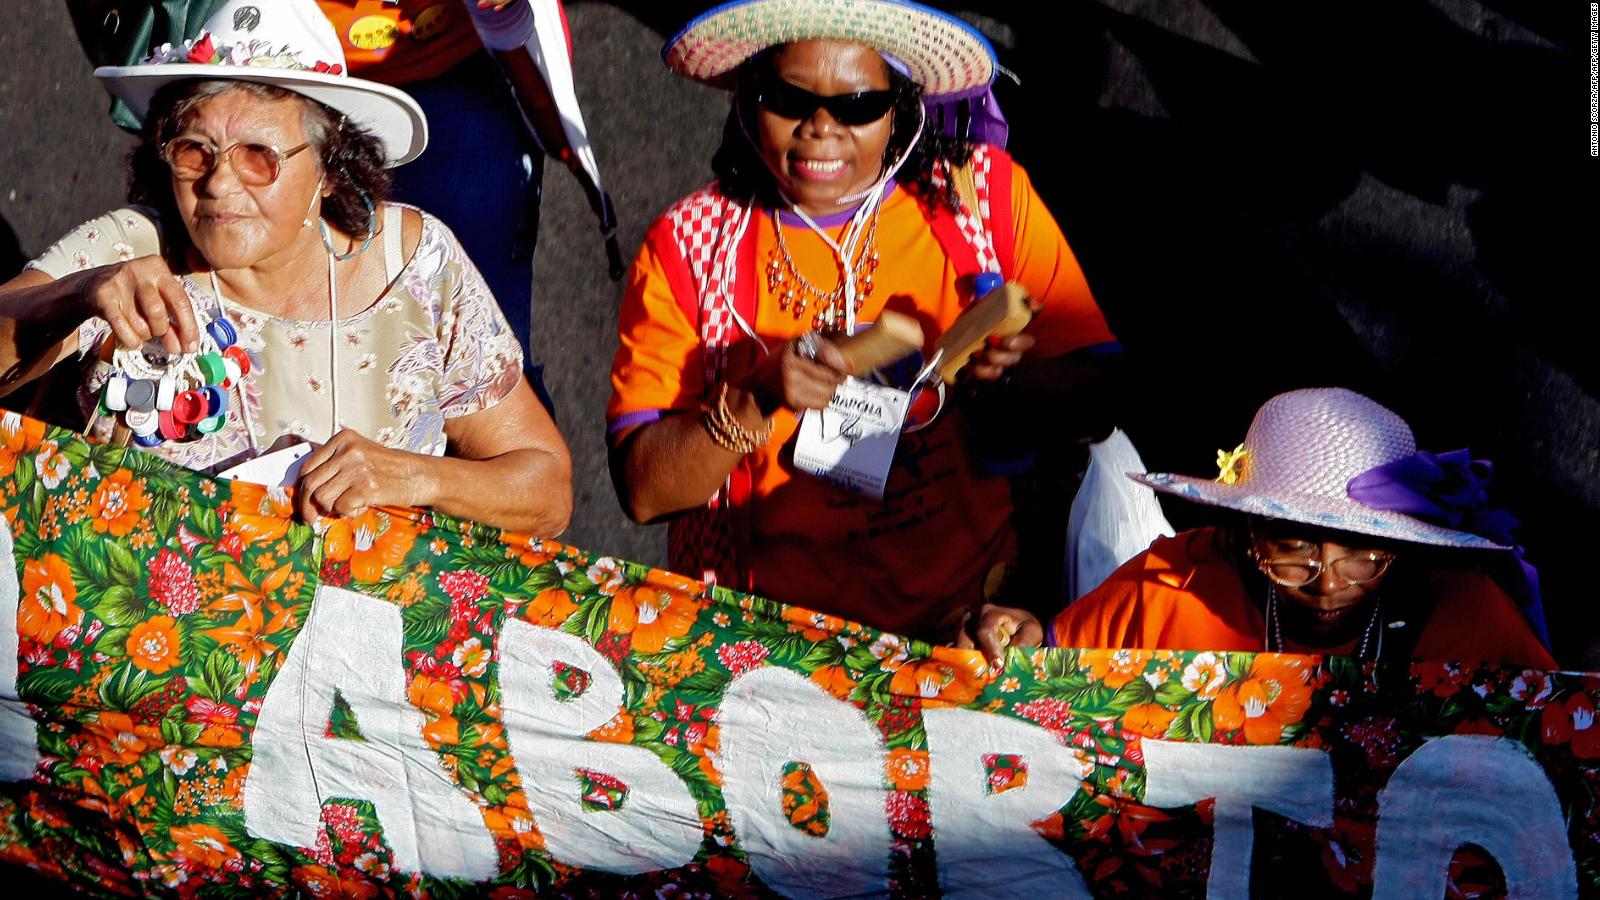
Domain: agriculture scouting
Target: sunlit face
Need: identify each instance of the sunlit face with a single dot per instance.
(819, 159)
(235, 225)
(1329, 610)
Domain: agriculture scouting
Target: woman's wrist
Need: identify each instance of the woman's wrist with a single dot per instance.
(734, 420)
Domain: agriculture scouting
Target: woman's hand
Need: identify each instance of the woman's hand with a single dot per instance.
(791, 380)
(507, 466)
(496, 5)
(998, 355)
(995, 628)
(140, 299)
(350, 474)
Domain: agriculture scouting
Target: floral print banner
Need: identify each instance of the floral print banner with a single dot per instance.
(200, 696)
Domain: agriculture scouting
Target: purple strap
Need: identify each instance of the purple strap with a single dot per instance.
(1450, 490)
(976, 118)
(974, 114)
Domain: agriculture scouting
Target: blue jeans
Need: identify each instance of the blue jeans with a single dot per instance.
(480, 175)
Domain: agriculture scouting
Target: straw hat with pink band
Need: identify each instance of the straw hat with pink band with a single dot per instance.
(287, 43)
(1333, 458)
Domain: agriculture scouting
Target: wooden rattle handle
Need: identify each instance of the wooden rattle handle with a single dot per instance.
(1003, 311)
(890, 339)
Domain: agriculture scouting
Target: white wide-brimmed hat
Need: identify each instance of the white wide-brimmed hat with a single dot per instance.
(1298, 460)
(287, 43)
(945, 56)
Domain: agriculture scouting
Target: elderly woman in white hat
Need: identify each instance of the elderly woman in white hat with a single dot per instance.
(1352, 543)
(842, 191)
(261, 291)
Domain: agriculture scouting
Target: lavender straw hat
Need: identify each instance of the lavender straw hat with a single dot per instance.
(944, 55)
(1308, 456)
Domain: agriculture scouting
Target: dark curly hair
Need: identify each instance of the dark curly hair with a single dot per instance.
(743, 176)
(352, 158)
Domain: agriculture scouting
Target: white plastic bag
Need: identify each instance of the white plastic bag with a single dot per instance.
(1113, 519)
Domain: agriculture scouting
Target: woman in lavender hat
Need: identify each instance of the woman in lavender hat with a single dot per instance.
(1351, 543)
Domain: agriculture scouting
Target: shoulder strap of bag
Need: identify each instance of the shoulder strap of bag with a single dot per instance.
(981, 236)
(713, 283)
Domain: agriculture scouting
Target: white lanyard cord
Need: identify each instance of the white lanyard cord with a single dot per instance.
(244, 404)
(872, 200)
(333, 353)
(333, 346)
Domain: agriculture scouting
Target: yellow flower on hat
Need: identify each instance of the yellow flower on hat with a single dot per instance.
(1231, 463)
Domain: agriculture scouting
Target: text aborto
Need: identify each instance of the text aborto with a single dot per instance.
(203, 692)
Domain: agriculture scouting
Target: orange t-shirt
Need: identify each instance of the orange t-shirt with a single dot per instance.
(902, 563)
(405, 41)
(1182, 594)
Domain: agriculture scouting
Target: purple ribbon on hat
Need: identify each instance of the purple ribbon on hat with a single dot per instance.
(974, 115)
(1450, 490)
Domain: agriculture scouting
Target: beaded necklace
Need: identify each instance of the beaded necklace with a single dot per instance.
(796, 294)
(1272, 642)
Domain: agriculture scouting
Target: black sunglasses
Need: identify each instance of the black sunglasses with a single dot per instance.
(788, 101)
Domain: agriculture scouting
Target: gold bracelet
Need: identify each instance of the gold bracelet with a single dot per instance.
(725, 430)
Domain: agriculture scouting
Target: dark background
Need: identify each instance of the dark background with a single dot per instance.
(1392, 196)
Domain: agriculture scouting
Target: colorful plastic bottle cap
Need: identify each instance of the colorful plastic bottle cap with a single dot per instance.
(216, 400)
(234, 372)
(223, 332)
(211, 367)
(142, 395)
(171, 428)
(189, 407)
(142, 421)
(166, 389)
(148, 440)
(240, 357)
(986, 282)
(209, 425)
(115, 393)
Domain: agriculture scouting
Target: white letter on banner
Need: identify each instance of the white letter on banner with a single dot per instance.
(772, 717)
(19, 735)
(352, 644)
(658, 824)
(985, 842)
(1294, 782)
(1472, 789)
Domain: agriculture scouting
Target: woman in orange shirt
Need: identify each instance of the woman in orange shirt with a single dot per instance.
(1339, 552)
(836, 199)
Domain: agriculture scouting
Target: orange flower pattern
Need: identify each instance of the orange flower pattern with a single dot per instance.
(157, 607)
(118, 503)
(47, 602)
(153, 645)
(1274, 696)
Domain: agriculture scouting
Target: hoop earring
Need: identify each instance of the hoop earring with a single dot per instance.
(372, 229)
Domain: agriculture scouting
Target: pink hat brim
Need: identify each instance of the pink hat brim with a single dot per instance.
(1314, 509)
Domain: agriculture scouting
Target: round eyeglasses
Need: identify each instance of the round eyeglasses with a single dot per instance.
(254, 164)
(1354, 570)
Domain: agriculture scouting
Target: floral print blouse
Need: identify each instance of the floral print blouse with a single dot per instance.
(432, 347)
